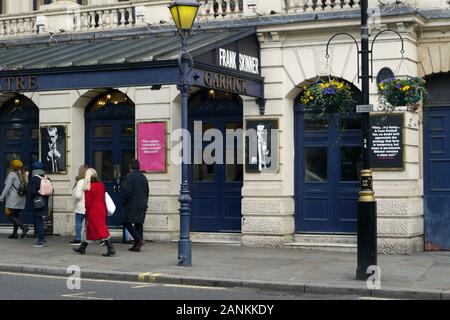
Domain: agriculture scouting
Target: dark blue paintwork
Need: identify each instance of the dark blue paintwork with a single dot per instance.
(437, 178)
(25, 119)
(117, 144)
(216, 204)
(325, 206)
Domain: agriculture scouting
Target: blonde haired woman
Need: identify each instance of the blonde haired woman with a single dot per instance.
(96, 229)
(78, 200)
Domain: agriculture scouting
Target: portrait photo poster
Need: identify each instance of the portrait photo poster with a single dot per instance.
(261, 146)
(54, 149)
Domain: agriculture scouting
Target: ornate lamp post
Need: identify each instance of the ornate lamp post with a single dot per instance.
(184, 13)
(367, 205)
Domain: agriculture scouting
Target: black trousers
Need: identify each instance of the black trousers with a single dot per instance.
(14, 217)
(136, 230)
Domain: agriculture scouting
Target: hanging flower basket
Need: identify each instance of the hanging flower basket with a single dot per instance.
(397, 92)
(327, 97)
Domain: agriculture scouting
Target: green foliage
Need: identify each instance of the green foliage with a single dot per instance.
(324, 97)
(396, 92)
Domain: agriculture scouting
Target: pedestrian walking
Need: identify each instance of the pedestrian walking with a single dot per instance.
(15, 191)
(136, 194)
(96, 229)
(79, 206)
(40, 191)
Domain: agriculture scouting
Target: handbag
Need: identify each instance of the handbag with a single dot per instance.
(39, 202)
(110, 206)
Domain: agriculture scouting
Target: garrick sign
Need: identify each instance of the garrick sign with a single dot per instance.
(225, 83)
(17, 84)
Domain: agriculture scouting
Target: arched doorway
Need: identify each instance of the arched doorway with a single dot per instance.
(328, 160)
(216, 188)
(437, 163)
(19, 134)
(110, 142)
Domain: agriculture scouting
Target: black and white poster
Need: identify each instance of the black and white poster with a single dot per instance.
(386, 142)
(54, 149)
(261, 146)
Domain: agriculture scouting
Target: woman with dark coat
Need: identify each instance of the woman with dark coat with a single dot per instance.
(35, 184)
(96, 229)
(135, 202)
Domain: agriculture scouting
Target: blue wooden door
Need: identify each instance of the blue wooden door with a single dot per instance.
(437, 178)
(19, 134)
(110, 144)
(328, 160)
(216, 188)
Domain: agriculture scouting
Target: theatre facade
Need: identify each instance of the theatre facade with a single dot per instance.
(112, 95)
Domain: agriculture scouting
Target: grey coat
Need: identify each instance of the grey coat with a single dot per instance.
(135, 197)
(13, 200)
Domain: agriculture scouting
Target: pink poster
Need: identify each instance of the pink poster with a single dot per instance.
(152, 146)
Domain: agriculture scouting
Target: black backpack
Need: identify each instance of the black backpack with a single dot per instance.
(23, 187)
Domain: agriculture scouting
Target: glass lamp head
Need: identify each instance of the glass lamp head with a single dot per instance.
(184, 13)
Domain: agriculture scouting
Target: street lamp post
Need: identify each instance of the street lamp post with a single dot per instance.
(367, 205)
(184, 13)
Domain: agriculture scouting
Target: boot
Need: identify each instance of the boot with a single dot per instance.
(137, 246)
(14, 233)
(82, 248)
(111, 251)
(24, 232)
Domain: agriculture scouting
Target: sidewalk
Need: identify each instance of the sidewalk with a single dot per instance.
(423, 276)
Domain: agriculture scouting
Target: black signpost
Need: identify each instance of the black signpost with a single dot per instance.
(386, 142)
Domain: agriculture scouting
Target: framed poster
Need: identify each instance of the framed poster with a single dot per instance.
(261, 146)
(54, 149)
(386, 142)
(151, 143)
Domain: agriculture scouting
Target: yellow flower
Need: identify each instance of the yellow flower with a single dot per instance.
(311, 98)
(305, 87)
(327, 85)
(406, 88)
(322, 86)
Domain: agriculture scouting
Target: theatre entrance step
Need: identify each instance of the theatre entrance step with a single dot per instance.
(222, 238)
(346, 243)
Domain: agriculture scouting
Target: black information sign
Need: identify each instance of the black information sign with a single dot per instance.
(386, 142)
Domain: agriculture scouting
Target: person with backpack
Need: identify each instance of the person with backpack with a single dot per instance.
(40, 190)
(96, 210)
(15, 191)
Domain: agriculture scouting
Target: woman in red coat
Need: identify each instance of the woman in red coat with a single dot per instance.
(96, 229)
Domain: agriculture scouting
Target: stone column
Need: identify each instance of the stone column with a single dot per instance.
(163, 220)
(268, 198)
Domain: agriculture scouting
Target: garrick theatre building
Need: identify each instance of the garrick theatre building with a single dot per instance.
(104, 74)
